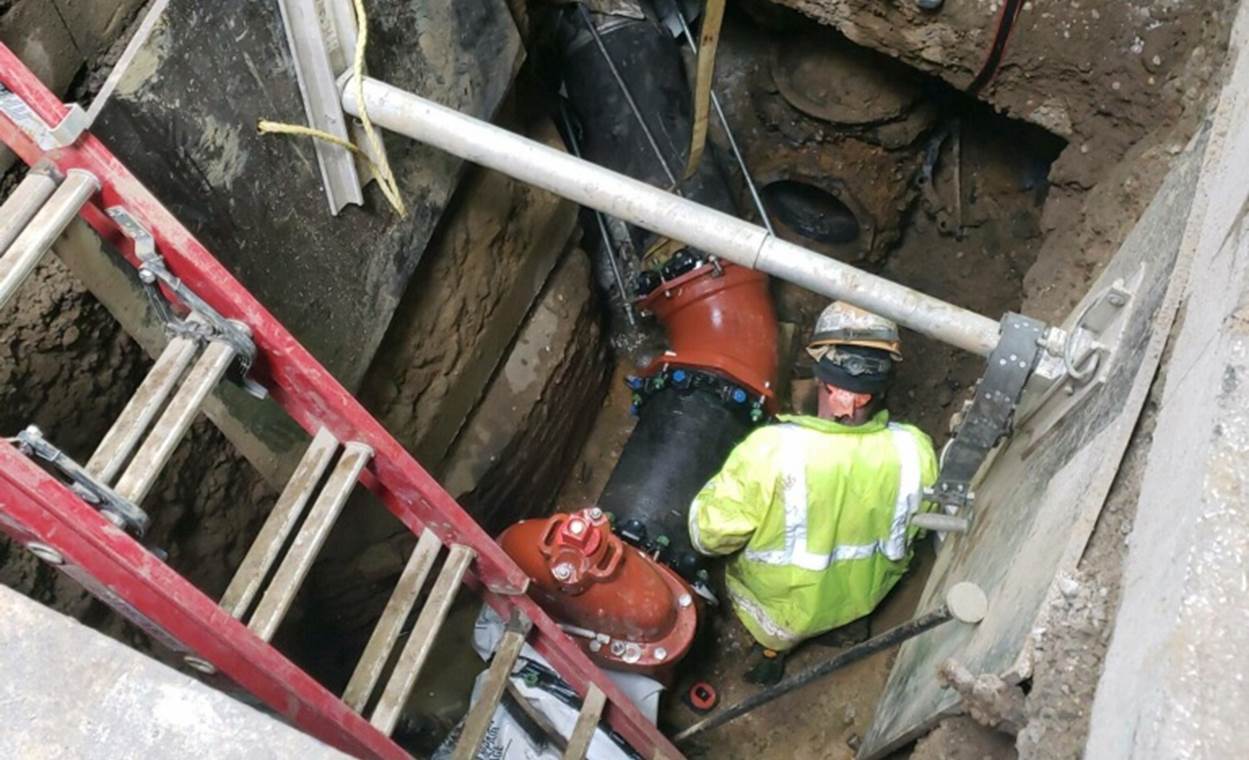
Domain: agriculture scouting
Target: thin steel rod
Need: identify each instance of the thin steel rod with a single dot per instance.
(728, 131)
(147, 401)
(20, 207)
(624, 89)
(636, 202)
(889, 638)
(608, 244)
(44, 228)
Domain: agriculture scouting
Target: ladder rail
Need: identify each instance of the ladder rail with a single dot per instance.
(35, 507)
(295, 379)
(313, 398)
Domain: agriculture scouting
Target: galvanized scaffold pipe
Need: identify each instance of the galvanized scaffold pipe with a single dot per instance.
(667, 214)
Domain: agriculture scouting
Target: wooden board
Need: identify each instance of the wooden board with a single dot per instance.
(183, 118)
(1040, 498)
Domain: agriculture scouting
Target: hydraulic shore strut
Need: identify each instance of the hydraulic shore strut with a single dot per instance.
(1027, 359)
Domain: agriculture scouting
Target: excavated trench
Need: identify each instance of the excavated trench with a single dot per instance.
(854, 154)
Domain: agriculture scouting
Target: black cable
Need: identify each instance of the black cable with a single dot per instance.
(1010, 12)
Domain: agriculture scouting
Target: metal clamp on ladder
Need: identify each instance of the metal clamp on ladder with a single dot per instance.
(209, 325)
(119, 511)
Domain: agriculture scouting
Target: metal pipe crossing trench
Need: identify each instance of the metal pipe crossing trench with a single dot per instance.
(636, 202)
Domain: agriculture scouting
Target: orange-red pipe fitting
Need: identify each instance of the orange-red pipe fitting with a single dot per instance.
(720, 319)
(628, 612)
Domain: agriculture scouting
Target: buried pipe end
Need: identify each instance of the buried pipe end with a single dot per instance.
(967, 602)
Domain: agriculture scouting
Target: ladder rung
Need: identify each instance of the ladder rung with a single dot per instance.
(587, 723)
(386, 633)
(312, 534)
(278, 525)
(20, 207)
(155, 451)
(492, 688)
(43, 230)
(142, 408)
(419, 644)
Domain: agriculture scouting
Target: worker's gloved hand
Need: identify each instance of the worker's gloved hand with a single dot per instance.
(769, 669)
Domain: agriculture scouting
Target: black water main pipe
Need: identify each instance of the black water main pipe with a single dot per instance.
(682, 436)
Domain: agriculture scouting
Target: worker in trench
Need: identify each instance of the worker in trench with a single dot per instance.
(815, 511)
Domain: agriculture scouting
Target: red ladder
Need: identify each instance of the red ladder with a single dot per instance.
(76, 174)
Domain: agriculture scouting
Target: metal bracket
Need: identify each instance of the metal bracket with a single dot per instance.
(1078, 359)
(66, 133)
(119, 511)
(306, 38)
(207, 323)
(988, 419)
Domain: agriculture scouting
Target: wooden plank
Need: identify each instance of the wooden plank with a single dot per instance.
(492, 688)
(1048, 482)
(183, 118)
(587, 724)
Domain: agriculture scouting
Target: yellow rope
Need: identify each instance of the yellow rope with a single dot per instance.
(381, 168)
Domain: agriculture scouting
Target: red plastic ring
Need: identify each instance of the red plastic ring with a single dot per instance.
(702, 696)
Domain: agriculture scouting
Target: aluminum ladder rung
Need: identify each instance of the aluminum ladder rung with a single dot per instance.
(290, 575)
(587, 723)
(128, 429)
(156, 449)
(386, 632)
(419, 644)
(20, 207)
(477, 722)
(278, 525)
(43, 229)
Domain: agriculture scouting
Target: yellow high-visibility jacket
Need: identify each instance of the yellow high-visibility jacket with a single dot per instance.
(819, 515)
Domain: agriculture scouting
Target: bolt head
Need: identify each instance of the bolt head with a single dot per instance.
(596, 645)
(576, 527)
(617, 648)
(685, 600)
(562, 571)
(596, 513)
(45, 553)
(200, 664)
(661, 654)
(147, 276)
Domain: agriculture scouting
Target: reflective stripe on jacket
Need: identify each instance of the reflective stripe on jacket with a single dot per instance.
(819, 514)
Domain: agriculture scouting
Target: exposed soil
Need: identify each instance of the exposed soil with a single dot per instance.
(1009, 224)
